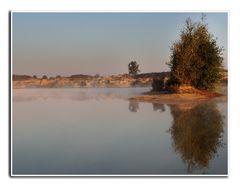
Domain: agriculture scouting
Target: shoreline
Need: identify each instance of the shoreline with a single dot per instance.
(176, 95)
(178, 98)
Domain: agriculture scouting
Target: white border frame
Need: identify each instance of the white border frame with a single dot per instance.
(113, 175)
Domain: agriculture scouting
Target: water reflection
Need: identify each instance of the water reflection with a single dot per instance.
(133, 106)
(158, 107)
(196, 133)
(54, 134)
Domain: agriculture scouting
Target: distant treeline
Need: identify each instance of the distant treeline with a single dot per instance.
(82, 76)
(21, 77)
(150, 75)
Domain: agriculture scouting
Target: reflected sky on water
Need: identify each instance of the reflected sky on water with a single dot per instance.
(100, 131)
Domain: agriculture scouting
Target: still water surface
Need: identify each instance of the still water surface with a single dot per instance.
(99, 131)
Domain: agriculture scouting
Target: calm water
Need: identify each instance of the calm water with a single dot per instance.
(99, 131)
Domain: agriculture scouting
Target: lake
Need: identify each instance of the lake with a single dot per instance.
(98, 131)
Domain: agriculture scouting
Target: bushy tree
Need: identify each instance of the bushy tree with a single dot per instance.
(133, 68)
(44, 77)
(158, 84)
(196, 58)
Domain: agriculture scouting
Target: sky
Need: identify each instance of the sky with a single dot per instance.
(101, 43)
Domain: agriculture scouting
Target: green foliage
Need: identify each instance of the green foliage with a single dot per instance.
(44, 77)
(158, 84)
(196, 59)
(133, 68)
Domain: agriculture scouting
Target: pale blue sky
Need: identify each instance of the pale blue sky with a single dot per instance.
(103, 43)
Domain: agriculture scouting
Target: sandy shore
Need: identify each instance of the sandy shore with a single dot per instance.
(178, 98)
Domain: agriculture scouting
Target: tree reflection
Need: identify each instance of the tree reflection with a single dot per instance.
(158, 106)
(196, 133)
(133, 105)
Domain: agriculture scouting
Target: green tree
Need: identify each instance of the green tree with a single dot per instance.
(44, 77)
(133, 68)
(196, 59)
(158, 84)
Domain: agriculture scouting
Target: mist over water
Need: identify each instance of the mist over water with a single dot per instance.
(100, 131)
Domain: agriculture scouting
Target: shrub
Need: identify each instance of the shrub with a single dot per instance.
(44, 77)
(158, 84)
